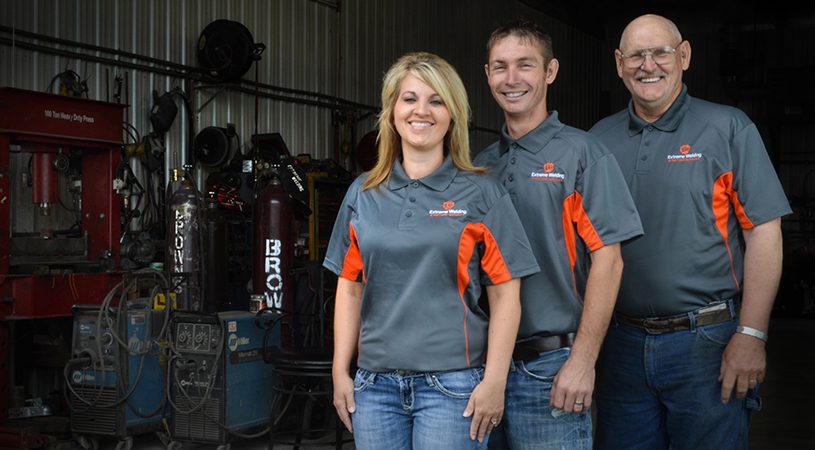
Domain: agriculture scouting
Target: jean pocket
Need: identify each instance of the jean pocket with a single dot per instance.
(753, 401)
(718, 334)
(363, 379)
(546, 365)
(457, 384)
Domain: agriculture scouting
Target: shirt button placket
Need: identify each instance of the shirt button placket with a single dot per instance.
(509, 179)
(408, 216)
(643, 154)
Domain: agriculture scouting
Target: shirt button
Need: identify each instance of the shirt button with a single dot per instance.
(511, 178)
(412, 199)
(514, 145)
(512, 160)
(649, 128)
(409, 214)
(643, 157)
(415, 184)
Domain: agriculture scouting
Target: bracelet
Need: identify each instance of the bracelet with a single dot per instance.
(758, 334)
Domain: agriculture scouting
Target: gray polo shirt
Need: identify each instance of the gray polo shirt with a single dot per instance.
(571, 197)
(698, 175)
(423, 249)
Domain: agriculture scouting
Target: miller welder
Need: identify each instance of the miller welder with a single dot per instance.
(219, 384)
(115, 379)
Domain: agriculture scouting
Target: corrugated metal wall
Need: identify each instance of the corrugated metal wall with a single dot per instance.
(323, 46)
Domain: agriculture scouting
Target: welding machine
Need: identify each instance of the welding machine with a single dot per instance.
(219, 386)
(115, 379)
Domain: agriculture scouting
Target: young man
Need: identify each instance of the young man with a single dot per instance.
(571, 197)
(710, 204)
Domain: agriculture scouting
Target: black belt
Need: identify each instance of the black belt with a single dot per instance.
(658, 325)
(530, 349)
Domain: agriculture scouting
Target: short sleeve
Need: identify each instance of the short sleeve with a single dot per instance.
(343, 255)
(507, 253)
(759, 194)
(605, 206)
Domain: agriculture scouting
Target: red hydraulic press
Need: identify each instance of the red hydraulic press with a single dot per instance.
(59, 214)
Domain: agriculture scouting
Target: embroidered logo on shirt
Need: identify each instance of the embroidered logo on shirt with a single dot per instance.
(447, 210)
(549, 174)
(684, 155)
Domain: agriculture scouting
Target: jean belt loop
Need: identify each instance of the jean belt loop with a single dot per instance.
(731, 304)
(692, 317)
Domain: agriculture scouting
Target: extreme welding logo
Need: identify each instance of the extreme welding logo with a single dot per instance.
(447, 210)
(684, 155)
(549, 174)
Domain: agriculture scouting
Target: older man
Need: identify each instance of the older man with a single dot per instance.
(695, 299)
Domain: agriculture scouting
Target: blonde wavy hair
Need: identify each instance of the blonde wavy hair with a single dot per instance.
(442, 77)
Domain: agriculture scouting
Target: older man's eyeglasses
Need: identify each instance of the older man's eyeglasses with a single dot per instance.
(661, 55)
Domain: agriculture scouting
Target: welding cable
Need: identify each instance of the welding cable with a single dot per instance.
(131, 131)
(161, 405)
(93, 365)
(110, 324)
(269, 326)
(99, 321)
(99, 391)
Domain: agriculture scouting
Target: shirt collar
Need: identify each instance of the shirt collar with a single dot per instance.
(668, 122)
(535, 140)
(439, 180)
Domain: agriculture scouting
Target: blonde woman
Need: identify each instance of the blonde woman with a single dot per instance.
(415, 242)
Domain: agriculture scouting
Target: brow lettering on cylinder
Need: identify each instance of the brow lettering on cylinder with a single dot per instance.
(274, 281)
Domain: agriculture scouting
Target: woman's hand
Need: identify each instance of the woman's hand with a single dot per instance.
(486, 406)
(344, 399)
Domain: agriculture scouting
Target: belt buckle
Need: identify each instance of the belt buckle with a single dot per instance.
(650, 329)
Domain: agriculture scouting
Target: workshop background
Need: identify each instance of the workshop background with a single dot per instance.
(294, 97)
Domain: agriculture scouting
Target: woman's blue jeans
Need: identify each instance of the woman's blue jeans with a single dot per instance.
(403, 410)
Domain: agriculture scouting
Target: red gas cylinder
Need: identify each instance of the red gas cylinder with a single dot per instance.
(274, 247)
(44, 180)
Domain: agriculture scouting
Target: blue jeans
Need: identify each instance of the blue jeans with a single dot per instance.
(661, 390)
(529, 421)
(402, 410)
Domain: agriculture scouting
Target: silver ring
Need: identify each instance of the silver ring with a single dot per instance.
(578, 403)
(494, 421)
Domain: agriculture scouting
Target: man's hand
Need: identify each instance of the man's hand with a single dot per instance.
(743, 364)
(573, 385)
